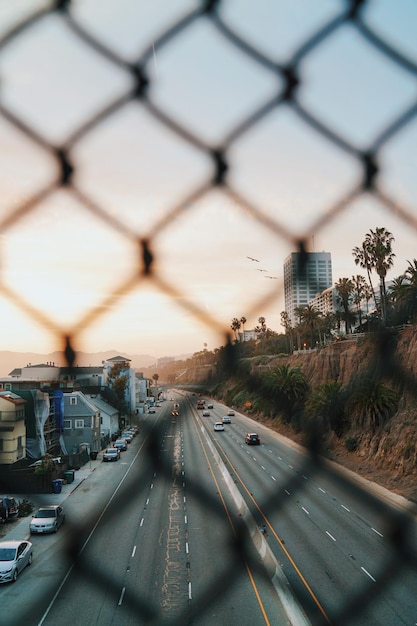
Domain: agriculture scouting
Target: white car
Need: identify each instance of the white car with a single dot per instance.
(14, 556)
(218, 426)
(227, 420)
(230, 412)
(206, 413)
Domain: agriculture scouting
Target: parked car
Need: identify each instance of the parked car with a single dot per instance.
(14, 556)
(218, 426)
(8, 509)
(151, 409)
(47, 519)
(121, 444)
(252, 439)
(111, 454)
(230, 412)
(126, 435)
(206, 413)
(210, 406)
(226, 420)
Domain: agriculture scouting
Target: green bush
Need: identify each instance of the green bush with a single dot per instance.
(25, 507)
(351, 444)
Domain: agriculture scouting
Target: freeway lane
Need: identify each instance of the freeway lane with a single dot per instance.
(331, 547)
(160, 547)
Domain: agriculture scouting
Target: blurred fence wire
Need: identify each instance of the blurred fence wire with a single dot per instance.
(140, 80)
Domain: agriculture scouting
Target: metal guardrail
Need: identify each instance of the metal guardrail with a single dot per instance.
(66, 164)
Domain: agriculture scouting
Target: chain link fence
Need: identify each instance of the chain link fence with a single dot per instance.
(63, 148)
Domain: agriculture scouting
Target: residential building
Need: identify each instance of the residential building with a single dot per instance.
(12, 428)
(303, 282)
(81, 423)
(109, 416)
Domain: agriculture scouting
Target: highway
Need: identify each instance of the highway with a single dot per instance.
(170, 534)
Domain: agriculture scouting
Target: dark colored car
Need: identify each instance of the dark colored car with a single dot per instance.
(252, 439)
(121, 444)
(8, 509)
(47, 519)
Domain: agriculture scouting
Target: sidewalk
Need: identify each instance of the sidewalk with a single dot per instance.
(19, 529)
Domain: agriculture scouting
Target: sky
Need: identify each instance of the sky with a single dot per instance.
(60, 262)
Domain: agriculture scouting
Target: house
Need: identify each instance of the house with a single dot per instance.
(109, 417)
(12, 428)
(81, 423)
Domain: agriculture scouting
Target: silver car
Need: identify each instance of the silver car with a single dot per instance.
(14, 556)
(47, 519)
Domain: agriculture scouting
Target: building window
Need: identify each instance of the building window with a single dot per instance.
(73, 400)
(67, 424)
(7, 386)
(79, 423)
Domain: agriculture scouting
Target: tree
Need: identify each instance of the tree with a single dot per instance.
(377, 248)
(362, 258)
(235, 326)
(286, 323)
(310, 317)
(359, 294)
(243, 321)
(371, 404)
(326, 405)
(118, 383)
(155, 378)
(345, 288)
(287, 388)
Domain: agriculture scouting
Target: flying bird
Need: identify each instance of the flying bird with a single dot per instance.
(258, 270)
(272, 277)
(252, 259)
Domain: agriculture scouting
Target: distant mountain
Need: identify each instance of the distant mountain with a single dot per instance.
(12, 360)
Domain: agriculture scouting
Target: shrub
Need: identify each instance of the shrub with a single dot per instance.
(25, 507)
(351, 444)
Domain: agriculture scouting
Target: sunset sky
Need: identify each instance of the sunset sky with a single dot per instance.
(60, 260)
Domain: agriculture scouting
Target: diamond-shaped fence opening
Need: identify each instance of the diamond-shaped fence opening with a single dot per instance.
(73, 102)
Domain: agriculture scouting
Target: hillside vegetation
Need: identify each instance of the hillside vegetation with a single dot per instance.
(355, 399)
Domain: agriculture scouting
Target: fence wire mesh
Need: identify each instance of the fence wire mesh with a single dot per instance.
(62, 147)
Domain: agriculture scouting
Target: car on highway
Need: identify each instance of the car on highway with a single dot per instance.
(14, 556)
(210, 406)
(218, 426)
(121, 444)
(47, 519)
(8, 509)
(206, 413)
(226, 420)
(231, 412)
(111, 454)
(151, 409)
(252, 439)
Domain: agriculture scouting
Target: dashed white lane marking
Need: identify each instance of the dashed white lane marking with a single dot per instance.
(368, 574)
(331, 536)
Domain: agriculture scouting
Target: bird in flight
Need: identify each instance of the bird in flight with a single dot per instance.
(259, 270)
(272, 277)
(252, 259)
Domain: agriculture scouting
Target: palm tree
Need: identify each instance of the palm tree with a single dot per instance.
(326, 405)
(378, 244)
(362, 259)
(287, 387)
(286, 323)
(345, 289)
(243, 321)
(411, 276)
(371, 404)
(358, 294)
(310, 316)
(235, 326)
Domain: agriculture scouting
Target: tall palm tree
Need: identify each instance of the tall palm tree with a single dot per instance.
(345, 289)
(371, 404)
(362, 258)
(378, 244)
(235, 326)
(243, 321)
(358, 295)
(326, 406)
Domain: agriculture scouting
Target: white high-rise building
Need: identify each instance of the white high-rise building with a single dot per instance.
(303, 283)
